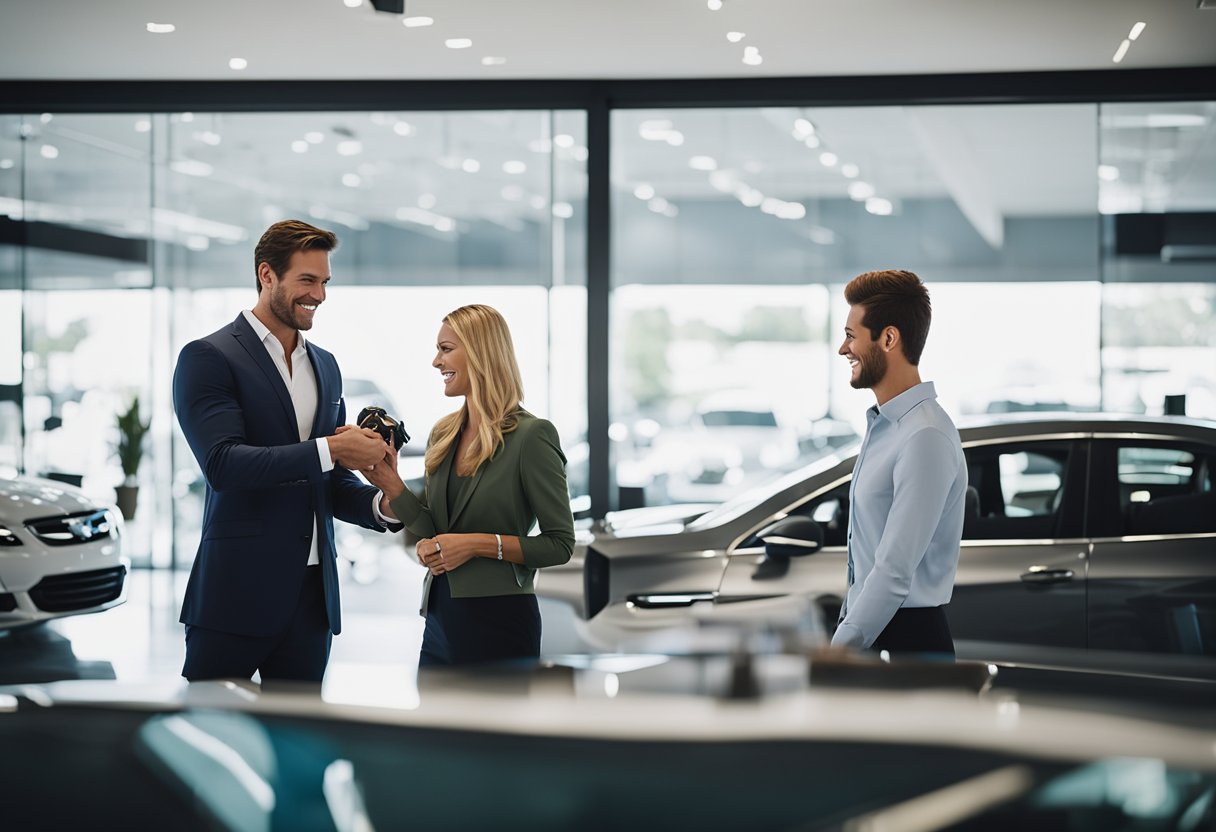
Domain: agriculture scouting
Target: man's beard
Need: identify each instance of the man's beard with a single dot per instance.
(284, 309)
(871, 369)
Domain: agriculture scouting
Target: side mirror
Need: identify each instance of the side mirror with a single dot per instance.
(792, 537)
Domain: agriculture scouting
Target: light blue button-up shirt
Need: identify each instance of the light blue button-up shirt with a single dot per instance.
(905, 514)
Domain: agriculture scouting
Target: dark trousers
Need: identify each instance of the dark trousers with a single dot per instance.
(474, 630)
(299, 654)
(917, 630)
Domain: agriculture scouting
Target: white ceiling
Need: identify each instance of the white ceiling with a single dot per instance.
(324, 39)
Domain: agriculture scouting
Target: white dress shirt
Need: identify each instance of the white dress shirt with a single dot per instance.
(301, 383)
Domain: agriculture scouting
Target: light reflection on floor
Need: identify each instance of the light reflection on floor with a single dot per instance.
(373, 662)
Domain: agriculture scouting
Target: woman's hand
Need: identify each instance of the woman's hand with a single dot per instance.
(445, 552)
(383, 474)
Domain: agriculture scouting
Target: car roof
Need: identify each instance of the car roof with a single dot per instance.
(1065, 423)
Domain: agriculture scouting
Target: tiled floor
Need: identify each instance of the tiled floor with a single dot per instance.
(374, 661)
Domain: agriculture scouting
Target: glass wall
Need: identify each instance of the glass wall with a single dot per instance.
(1069, 250)
(433, 211)
(734, 231)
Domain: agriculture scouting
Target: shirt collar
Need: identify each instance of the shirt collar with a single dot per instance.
(263, 332)
(898, 407)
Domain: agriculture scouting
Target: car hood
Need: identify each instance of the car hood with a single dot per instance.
(652, 520)
(28, 498)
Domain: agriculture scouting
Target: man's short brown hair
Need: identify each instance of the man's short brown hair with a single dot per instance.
(895, 298)
(285, 238)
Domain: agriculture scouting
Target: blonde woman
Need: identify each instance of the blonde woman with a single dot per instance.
(493, 470)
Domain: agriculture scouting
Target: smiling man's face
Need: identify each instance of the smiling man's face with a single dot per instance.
(296, 295)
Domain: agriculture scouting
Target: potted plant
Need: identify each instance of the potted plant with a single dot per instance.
(131, 432)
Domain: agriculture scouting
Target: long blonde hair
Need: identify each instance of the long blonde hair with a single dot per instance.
(495, 389)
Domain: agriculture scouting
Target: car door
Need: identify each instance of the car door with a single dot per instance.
(1152, 579)
(1023, 561)
(820, 576)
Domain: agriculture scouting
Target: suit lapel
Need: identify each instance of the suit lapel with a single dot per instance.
(465, 493)
(248, 339)
(438, 498)
(325, 392)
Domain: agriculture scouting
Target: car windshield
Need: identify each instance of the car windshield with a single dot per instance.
(746, 500)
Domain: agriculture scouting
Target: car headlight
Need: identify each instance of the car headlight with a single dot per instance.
(115, 521)
(8, 537)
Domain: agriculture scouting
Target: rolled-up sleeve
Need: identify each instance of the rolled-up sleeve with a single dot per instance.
(543, 475)
(924, 473)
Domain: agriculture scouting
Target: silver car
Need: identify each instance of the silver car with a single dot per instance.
(1082, 531)
(60, 553)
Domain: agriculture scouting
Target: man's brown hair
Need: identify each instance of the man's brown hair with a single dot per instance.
(895, 298)
(285, 238)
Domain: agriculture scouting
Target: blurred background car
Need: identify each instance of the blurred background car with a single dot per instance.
(60, 553)
(1086, 532)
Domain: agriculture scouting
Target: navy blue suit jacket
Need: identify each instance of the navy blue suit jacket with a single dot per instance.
(264, 485)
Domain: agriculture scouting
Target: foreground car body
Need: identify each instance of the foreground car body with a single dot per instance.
(563, 750)
(60, 553)
(1082, 532)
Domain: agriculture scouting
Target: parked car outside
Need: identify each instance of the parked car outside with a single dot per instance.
(60, 553)
(1083, 531)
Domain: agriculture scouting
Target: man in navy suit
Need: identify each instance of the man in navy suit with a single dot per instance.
(261, 410)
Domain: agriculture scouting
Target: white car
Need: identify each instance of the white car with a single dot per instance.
(60, 553)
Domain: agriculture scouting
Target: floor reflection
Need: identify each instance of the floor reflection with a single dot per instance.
(39, 654)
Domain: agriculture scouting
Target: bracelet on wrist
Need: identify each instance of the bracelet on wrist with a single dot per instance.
(498, 540)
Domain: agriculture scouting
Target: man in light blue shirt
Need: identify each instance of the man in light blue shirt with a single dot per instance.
(910, 481)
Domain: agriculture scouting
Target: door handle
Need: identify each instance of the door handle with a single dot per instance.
(1046, 575)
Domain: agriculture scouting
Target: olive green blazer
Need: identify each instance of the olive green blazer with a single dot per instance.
(522, 485)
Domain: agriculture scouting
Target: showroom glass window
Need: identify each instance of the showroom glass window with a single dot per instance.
(433, 211)
(735, 231)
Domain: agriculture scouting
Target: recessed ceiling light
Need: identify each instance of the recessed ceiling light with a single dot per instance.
(403, 128)
(314, 137)
(415, 22)
(143, 126)
(237, 63)
(45, 118)
(350, 147)
(353, 4)
(735, 37)
(427, 201)
(445, 224)
(703, 163)
(1108, 173)
(299, 146)
(880, 207)
(514, 166)
(492, 60)
(658, 205)
(811, 141)
(803, 128)
(49, 151)
(675, 138)
(208, 137)
(714, 5)
(458, 43)
(860, 190)
(352, 180)
(849, 170)
(828, 159)
(1121, 51)
(187, 117)
(753, 59)
(1136, 30)
(161, 28)
(6, 164)
(563, 140)
(643, 191)
(564, 210)
(470, 166)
